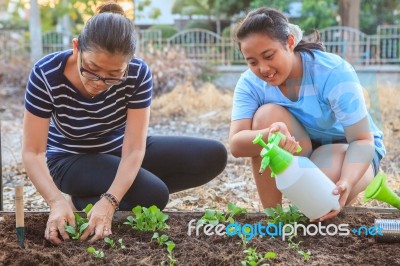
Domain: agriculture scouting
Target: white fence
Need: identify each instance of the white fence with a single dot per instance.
(207, 47)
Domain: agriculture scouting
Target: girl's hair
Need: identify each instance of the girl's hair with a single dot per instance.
(109, 30)
(274, 24)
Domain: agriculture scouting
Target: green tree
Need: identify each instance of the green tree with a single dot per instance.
(378, 12)
(212, 9)
(282, 5)
(318, 14)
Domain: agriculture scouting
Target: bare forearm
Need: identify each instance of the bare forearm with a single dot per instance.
(357, 160)
(36, 168)
(126, 174)
(242, 142)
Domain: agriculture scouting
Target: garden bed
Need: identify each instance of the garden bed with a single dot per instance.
(200, 250)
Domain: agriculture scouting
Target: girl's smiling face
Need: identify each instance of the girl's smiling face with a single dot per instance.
(269, 59)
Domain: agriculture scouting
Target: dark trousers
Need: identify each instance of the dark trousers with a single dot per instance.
(171, 164)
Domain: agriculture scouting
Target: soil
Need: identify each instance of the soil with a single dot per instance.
(197, 250)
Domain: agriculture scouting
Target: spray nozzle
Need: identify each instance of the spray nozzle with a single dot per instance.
(273, 144)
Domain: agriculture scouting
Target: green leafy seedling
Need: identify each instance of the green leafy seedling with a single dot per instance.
(234, 210)
(170, 247)
(212, 217)
(121, 244)
(293, 244)
(160, 239)
(288, 215)
(215, 217)
(110, 242)
(81, 223)
(306, 255)
(113, 244)
(253, 258)
(96, 253)
(147, 219)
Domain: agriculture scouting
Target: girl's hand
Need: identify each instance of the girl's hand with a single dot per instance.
(100, 220)
(60, 213)
(289, 143)
(343, 189)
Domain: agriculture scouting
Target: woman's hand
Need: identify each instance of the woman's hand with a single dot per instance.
(343, 189)
(100, 220)
(60, 213)
(289, 143)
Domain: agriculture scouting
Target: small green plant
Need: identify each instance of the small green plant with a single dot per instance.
(121, 244)
(160, 239)
(212, 217)
(293, 244)
(306, 254)
(244, 240)
(254, 258)
(113, 244)
(163, 240)
(147, 219)
(215, 217)
(96, 253)
(81, 223)
(288, 215)
(234, 210)
(170, 247)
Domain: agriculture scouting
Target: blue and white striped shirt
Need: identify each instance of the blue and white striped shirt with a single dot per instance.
(81, 125)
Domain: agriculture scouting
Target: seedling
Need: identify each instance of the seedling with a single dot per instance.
(254, 258)
(81, 223)
(160, 239)
(288, 215)
(96, 253)
(163, 240)
(170, 247)
(121, 244)
(147, 219)
(113, 244)
(212, 217)
(306, 254)
(215, 217)
(234, 210)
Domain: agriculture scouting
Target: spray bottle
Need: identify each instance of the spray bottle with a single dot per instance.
(298, 178)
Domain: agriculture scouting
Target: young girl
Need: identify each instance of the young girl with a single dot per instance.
(311, 96)
(85, 132)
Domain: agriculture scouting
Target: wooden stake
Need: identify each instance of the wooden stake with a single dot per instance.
(19, 215)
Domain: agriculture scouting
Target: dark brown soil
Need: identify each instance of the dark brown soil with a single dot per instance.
(192, 250)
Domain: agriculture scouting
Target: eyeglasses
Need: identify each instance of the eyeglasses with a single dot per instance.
(94, 77)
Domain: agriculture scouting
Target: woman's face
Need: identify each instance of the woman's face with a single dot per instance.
(112, 68)
(269, 59)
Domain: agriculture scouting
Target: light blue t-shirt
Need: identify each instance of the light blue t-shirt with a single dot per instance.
(330, 98)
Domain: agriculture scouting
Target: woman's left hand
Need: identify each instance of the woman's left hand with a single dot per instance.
(100, 220)
(342, 189)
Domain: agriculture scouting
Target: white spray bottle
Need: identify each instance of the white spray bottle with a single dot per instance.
(298, 178)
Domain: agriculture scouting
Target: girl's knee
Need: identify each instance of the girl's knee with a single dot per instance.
(268, 114)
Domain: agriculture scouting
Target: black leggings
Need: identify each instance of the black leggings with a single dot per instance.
(170, 164)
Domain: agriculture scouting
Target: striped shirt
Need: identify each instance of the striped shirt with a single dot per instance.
(81, 125)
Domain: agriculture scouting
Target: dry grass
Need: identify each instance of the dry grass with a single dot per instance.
(189, 103)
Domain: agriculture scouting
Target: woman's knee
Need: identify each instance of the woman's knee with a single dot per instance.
(268, 114)
(146, 190)
(219, 158)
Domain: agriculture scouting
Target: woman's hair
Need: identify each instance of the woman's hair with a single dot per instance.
(109, 30)
(275, 25)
